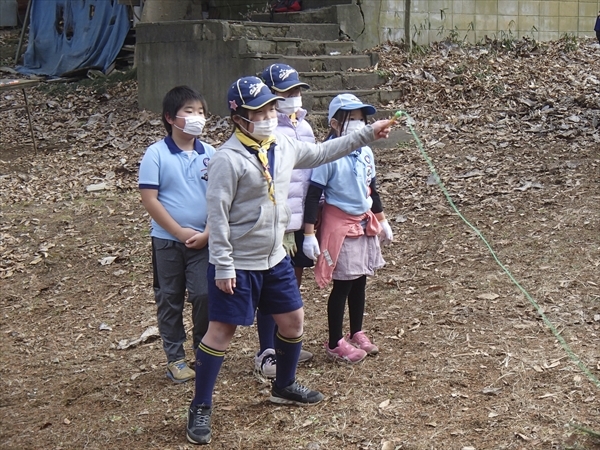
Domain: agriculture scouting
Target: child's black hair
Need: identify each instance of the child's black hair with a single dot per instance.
(342, 116)
(175, 99)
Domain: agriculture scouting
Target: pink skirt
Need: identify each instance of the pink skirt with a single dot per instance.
(358, 256)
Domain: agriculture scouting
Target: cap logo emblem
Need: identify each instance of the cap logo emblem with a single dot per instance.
(284, 73)
(255, 88)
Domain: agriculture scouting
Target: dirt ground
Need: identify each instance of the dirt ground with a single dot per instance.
(469, 359)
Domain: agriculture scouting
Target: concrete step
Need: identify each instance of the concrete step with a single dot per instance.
(256, 62)
(341, 81)
(268, 30)
(198, 30)
(313, 100)
(320, 15)
(315, 4)
(295, 46)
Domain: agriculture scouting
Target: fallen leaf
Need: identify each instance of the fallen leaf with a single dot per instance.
(36, 260)
(384, 404)
(107, 260)
(150, 332)
(488, 296)
(96, 187)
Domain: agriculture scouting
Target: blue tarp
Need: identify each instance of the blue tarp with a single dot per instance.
(67, 35)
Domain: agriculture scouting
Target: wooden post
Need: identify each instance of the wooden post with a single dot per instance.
(29, 118)
(25, 24)
(407, 38)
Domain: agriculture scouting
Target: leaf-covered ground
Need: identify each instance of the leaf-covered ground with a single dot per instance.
(467, 360)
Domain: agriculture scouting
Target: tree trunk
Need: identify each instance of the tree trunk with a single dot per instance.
(166, 10)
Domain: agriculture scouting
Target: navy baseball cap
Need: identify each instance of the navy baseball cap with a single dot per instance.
(348, 102)
(281, 77)
(249, 93)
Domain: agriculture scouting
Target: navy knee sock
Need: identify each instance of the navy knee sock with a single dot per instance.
(288, 351)
(208, 365)
(266, 327)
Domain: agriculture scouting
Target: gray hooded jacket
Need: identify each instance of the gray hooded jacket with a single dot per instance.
(245, 227)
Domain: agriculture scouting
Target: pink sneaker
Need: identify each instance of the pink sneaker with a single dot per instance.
(360, 340)
(345, 352)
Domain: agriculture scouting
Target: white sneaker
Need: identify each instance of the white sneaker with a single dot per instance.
(305, 356)
(265, 365)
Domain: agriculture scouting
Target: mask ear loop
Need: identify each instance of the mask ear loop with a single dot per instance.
(238, 125)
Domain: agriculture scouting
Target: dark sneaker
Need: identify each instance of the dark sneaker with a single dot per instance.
(295, 394)
(198, 424)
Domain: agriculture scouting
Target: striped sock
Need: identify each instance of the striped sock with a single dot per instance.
(288, 351)
(265, 325)
(208, 365)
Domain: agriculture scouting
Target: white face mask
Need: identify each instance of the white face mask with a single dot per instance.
(290, 105)
(262, 128)
(193, 124)
(353, 126)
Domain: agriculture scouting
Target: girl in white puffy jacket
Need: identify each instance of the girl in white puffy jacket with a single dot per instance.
(283, 81)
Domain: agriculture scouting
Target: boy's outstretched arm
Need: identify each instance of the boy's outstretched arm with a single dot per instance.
(381, 129)
(158, 212)
(312, 155)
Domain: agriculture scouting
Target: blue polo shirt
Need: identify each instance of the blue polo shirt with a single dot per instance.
(181, 181)
(345, 182)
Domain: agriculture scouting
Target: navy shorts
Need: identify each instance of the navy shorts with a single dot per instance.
(274, 291)
(300, 259)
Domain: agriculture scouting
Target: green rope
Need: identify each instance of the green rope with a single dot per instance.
(549, 324)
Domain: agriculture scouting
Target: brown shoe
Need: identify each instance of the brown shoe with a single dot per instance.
(179, 371)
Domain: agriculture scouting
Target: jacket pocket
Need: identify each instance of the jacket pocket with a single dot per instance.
(263, 223)
(285, 214)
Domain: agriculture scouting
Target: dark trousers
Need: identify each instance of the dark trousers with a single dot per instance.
(598, 36)
(177, 269)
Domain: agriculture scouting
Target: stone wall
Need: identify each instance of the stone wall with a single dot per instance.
(472, 20)
(209, 55)
(195, 53)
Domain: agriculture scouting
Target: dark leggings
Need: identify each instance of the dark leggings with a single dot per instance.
(354, 291)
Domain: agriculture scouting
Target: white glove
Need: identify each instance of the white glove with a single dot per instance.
(310, 247)
(386, 236)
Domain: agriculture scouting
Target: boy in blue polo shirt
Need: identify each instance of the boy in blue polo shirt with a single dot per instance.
(249, 179)
(172, 183)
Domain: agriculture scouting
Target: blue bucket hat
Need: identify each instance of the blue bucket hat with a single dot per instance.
(281, 78)
(348, 102)
(249, 93)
